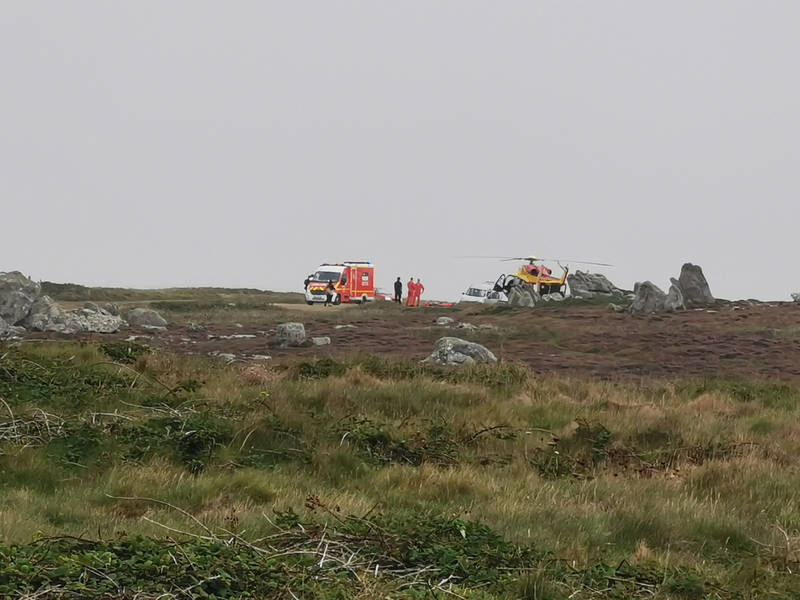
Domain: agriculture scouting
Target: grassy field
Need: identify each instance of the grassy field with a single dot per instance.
(130, 473)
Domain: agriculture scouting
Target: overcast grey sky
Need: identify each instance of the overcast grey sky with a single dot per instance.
(241, 143)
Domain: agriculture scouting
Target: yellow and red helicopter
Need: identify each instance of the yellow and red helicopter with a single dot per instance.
(533, 272)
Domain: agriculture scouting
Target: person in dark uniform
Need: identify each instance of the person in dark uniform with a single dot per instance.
(398, 291)
(306, 282)
(329, 292)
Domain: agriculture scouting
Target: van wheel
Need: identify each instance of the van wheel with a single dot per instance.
(337, 301)
(363, 299)
(309, 302)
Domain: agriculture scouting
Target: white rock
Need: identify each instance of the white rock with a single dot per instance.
(17, 295)
(146, 317)
(291, 334)
(453, 351)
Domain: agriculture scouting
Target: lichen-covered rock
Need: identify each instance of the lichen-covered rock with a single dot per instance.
(291, 334)
(588, 285)
(445, 321)
(321, 341)
(453, 351)
(17, 295)
(46, 315)
(146, 317)
(674, 300)
(694, 286)
(9, 331)
(648, 298)
(111, 308)
(524, 295)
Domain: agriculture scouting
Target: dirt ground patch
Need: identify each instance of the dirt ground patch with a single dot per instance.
(735, 340)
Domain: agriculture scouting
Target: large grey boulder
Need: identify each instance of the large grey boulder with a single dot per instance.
(146, 317)
(46, 315)
(524, 294)
(291, 334)
(694, 286)
(674, 300)
(453, 351)
(17, 295)
(588, 285)
(796, 297)
(648, 298)
(8, 331)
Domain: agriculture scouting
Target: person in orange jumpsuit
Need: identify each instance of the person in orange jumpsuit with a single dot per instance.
(418, 289)
(411, 290)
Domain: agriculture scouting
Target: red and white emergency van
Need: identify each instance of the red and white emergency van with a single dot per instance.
(354, 282)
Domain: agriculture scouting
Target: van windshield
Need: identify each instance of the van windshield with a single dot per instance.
(327, 276)
(476, 292)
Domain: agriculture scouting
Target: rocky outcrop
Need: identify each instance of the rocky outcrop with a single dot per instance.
(796, 297)
(674, 300)
(524, 294)
(453, 351)
(291, 334)
(589, 285)
(17, 295)
(147, 318)
(9, 331)
(694, 286)
(648, 298)
(46, 315)
(97, 321)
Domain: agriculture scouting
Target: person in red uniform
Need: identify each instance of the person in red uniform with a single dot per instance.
(411, 290)
(418, 289)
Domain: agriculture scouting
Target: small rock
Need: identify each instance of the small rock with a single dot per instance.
(291, 334)
(445, 321)
(238, 325)
(195, 327)
(467, 326)
(226, 356)
(617, 308)
(146, 317)
(91, 307)
(347, 326)
(111, 308)
(453, 351)
(261, 357)
(321, 341)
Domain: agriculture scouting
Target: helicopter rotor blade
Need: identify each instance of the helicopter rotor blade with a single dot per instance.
(578, 262)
